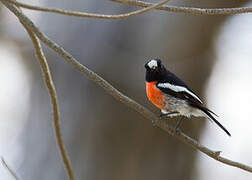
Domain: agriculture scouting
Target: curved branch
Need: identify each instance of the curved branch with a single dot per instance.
(186, 10)
(54, 100)
(189, 10)
(88, 15)
(13, 174)
(118, 95)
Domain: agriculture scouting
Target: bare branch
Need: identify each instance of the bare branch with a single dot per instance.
(88, 15)
(118, 95)
(9, 169)
(186, 10)
(54, 100)
(189, 10)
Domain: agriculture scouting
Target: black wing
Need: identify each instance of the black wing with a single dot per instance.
(194, 102)
(183, 94)
(172, 79)
(172, 85)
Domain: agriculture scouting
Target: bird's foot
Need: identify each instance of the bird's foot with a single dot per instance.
(175, 131)
(176, 128)
(154, 124)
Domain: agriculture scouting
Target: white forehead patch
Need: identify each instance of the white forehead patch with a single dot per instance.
(152, 63)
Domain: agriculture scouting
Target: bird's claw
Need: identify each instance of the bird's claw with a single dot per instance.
(154, 124)
(176, 130)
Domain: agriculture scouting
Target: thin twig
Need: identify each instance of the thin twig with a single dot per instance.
(13, 174)
(189, 10)
(118, 95)
(176, 9)
(88, 15)
(54, 100)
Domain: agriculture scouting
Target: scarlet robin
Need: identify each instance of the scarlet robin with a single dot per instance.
(172, 96)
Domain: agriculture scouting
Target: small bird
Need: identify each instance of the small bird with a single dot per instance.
(172, 96)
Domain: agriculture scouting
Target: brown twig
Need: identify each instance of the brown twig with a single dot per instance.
(186, 10)
(189, 10)
(117, 94)
(13, 174)
(54, 100)
(88, 15)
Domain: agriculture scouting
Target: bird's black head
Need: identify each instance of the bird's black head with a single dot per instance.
(154, 70)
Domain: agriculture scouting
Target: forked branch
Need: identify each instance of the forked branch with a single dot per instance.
(54, 100)
(88, 15)
(159, 6)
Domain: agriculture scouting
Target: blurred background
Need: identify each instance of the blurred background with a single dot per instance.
(106, 139)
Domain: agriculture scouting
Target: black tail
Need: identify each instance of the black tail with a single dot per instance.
(208, 112)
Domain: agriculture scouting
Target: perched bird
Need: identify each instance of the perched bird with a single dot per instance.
(172, 96)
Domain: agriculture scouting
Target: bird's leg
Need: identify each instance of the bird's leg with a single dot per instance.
(154, 124)
(162, 115)
(179, 122)
(167, 114)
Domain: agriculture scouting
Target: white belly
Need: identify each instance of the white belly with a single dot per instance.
(182, 107)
